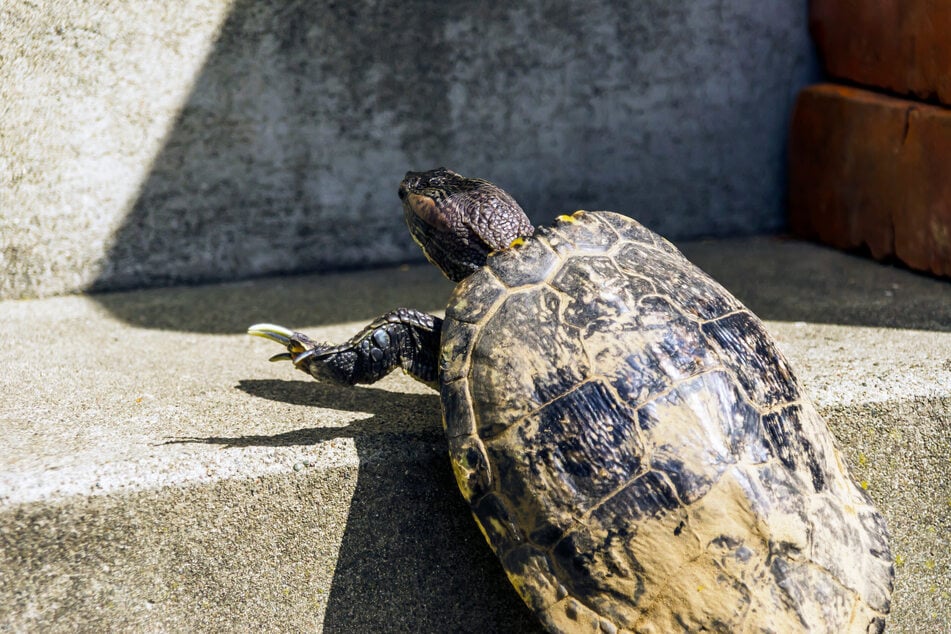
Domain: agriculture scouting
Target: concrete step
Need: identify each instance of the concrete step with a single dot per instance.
(159, 474)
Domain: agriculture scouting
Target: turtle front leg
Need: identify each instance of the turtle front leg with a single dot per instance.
(403, 338)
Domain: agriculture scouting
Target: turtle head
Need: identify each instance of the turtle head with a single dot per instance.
(458, 221)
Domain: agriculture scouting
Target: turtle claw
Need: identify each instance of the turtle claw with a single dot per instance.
(278, 334)
(299, 346)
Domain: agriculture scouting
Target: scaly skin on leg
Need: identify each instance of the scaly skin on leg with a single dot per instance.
(403, 338)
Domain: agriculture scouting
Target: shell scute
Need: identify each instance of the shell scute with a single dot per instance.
(629, 230)
(692, 290)
(529, 263)
(619, 572)
(845, 540)
(581, 231)
(569, 454)
(794, 449)
(648, 496)
(471, 466)
(597, 294)
(474, 297)
(650, 353)
(508, 380)
(741, 341)
(458, 417)
(533, 576)
(691, 433)
(454, 356)
(499, 524)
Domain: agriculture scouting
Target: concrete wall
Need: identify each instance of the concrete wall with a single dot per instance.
(154, 143)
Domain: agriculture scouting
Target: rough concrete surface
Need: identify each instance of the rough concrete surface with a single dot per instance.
(159, 475)
(153, 143)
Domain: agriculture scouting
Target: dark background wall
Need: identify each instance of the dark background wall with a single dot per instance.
(287, 147)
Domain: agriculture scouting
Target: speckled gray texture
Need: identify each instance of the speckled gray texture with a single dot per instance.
(158, 474)
(147, 144)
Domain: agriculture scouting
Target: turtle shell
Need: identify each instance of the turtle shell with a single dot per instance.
(638, 452)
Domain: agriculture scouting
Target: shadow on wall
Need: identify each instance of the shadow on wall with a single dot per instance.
(287, 154)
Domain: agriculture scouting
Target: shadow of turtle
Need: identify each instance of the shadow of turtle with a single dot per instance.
(410, 552)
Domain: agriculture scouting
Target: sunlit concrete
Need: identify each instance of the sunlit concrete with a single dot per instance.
(159, 473)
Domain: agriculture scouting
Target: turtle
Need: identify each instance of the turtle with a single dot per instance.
(634, 446)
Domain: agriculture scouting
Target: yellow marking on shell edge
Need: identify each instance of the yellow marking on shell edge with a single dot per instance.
(462, 481)
(566, 218)
(517, 242)
(864, 485)
(482, 529)
(517, 582)
(899, 560)
(521, 588)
